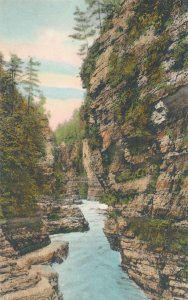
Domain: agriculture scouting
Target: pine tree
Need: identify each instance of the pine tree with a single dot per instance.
(97, 10)
(111, 6)
(14, 72)
(2, 73)
(83, 30)
(41, 103)
(31, 83)
(102, 9)
(21, 149)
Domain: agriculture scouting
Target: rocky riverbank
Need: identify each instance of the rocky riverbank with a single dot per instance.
(63, 219)
(160, 272)
(26, 252)
(28, 277)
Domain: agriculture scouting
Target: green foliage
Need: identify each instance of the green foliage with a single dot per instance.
(129, 175)
(184, 272)
(89, 63)
(108, 199)
(139, 142)
(139, 115)
(114, 214)
(96, 18)
(108, 156)
(22, 147)
(122, 68)
(54, 217)
(112, 199)
(31, 82)
(156, 13)
(83, 191)
(156, 54)
(180, 55)
(160, 233)
(93, 135)
(83, 30)
(78, 161)
(185, 138)
(180, 180)
(70, 131)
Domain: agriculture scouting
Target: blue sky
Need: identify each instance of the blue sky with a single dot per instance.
(41, 28)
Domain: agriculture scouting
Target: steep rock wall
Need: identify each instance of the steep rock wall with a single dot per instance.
(136, 114)
(94, 187)
(71, 174)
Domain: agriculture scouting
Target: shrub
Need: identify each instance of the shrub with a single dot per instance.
(156, 13)
(108, 156)
(88, 66)
(83, 191)
(108, 199)
(160, 233)
(129, 175)
(156, 54)
(93, 135)
(180, 55)
(122, 68)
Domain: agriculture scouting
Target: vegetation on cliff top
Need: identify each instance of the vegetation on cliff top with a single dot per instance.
(92, 21)
(160, 233)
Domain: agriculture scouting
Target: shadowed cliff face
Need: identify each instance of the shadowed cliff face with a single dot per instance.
(136, 107)
(136, 114)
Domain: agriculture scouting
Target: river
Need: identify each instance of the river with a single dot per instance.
(92, 270)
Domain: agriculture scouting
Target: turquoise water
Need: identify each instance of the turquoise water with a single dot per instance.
(92, 270)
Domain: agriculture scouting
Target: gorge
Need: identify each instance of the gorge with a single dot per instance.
(130, 155)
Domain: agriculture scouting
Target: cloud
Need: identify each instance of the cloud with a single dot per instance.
(61, 111)
(62, 93)
(60, 81)
(50, 44)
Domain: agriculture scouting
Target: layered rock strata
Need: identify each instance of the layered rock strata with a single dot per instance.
(25, 278)
(63, 219)
(136, 115)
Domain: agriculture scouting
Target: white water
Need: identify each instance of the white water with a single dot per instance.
(92, 270)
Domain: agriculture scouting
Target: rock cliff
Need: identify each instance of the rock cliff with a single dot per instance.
(28, 277)
(71, 180)
(136, 113)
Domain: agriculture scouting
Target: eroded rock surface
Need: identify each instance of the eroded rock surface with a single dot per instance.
(136, 116)
(22, 278)
(63, 218)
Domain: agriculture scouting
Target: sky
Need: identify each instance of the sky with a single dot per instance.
(41, 29)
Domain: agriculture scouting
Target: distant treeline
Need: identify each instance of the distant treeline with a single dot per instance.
(70, 131)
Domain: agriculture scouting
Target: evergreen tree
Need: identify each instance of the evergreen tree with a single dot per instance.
(31, 83)
(2, 65)
(111, 6)
(14, 72)
(96, 8)
(83, 30)
(102, 9)
(21, 149)
(41, 103)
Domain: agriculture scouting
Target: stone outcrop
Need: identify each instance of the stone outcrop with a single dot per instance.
(63, 219)
(69, 161)
(26, 234)
(136, 116)
(47, 168)
(23, 279)
(160, 273)
(94, 187)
